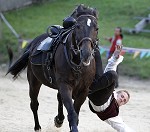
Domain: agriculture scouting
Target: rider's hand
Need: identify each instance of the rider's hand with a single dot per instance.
(118, 51)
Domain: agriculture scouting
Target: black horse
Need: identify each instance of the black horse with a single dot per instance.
(72, 70)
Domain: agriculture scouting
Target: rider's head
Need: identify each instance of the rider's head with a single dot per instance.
(123, 97)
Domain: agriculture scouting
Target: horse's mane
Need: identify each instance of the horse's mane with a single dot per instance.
(83, 10)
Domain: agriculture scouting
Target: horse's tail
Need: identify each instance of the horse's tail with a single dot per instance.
(20, 64)
(10, 55)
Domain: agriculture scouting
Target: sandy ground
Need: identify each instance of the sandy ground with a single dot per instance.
(16, 116)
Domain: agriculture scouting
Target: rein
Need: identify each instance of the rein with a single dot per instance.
(75, 67)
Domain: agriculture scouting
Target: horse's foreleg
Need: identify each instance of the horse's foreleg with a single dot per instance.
(79, 101)
(33, 93)
(66, 94)
(60, 117)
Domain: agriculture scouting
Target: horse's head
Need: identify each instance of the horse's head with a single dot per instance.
(85, 33)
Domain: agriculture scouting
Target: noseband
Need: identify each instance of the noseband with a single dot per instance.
(86, 38)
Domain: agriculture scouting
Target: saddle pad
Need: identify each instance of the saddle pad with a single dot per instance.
(39, 59)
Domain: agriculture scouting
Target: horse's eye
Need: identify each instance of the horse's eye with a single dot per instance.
(97, 29)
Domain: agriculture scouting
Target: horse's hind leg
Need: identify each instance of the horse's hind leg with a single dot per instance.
(60, 117)
(33, 92)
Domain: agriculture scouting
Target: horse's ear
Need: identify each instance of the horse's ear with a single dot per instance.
(80, 8)
(95, 13)
(74, 13)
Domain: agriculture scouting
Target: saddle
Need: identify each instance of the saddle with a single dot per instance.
(50, 41)
(44, 52)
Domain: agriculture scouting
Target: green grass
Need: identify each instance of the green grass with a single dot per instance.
(33, 20)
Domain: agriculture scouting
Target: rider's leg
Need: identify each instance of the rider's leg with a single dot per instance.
(99, 67)
(107, 78)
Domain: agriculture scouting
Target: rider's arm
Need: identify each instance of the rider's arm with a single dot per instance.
(118, 124)
(108, 38)
(113, 63)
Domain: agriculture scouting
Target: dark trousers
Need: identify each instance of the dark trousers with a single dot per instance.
(98, 60)
(102, 89)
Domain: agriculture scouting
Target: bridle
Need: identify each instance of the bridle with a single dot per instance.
(76, 50)
(75, 47)
(84, 39)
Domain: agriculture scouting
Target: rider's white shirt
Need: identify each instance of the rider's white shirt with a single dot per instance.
(118, 124)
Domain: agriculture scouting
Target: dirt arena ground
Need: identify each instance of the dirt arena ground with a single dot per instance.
(16, 116)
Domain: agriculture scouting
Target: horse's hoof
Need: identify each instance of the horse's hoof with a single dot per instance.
(58, 123)
(37, 129)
